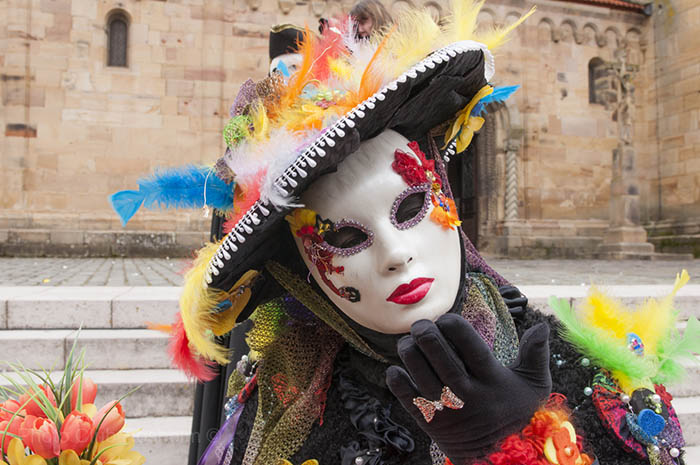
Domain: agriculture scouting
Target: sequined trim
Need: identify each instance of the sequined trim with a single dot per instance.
(345, 252)
(421, 214)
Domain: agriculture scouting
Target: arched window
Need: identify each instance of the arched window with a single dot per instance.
(117, 38)
(597, 80)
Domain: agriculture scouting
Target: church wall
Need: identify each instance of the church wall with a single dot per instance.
(674, 206)
(75, 130)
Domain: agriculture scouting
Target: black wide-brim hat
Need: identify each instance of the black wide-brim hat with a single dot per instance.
(423, 97)
(284, 38)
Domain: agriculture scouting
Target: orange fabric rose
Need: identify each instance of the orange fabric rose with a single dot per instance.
(76, 432)
(12, 428)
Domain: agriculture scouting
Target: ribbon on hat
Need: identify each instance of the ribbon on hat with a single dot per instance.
(467, 124)
(447, 399)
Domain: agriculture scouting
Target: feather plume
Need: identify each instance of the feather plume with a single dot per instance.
(196, 304)
(299, 79)
(601, 331)
(184, 187)
(247, 196)
(414, 37)
(182, 356)
(462, 23)
(499, 35)
(600, 346)
(499, 94)
(328, 48)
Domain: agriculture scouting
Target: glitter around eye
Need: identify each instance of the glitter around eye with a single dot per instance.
(345, 252)
(421, 214)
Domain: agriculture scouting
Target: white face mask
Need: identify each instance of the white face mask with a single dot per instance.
(401, 272)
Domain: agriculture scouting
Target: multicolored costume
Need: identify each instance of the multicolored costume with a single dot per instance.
(310, 383)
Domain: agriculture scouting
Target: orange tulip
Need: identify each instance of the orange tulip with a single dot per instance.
(112, 420)
(76, 432)
(32, 407)
(8, 408)
(89, 391)
(13, 428)
(41, 436)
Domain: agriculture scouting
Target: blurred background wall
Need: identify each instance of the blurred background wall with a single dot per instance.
(96, 93)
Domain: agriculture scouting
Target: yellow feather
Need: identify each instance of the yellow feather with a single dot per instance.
(196, 303)
(261, 123)
(606, 313)
(655, 318)
(462, 24)
(413, 38)
(499, 35)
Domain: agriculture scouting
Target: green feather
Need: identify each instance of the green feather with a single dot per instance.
(603, 350)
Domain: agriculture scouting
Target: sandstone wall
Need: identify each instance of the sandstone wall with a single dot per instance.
(75, 130)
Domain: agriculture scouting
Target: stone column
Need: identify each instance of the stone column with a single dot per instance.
(625, 237)
(511, 197)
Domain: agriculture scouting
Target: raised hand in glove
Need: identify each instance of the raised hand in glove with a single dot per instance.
(485, 401)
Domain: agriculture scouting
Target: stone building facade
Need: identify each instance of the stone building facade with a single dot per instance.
(78, 125)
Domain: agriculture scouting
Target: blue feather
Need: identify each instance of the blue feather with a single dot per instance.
(175, 188)
(126, 204)
(499, 94)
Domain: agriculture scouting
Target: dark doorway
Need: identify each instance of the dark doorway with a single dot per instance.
(462, 173)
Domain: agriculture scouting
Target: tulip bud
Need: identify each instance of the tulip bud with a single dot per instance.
(8, 408)
(112, 420)
(41, 436)
(76, 432)
(32, 407)
(89, 391)
(13, 428)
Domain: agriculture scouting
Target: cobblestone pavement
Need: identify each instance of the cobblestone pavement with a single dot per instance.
(168, 272)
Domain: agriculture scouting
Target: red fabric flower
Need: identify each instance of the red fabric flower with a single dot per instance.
(409, 168)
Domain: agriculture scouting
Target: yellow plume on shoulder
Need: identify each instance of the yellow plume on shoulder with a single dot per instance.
(655, 319)
(601, 311)
(196, 303)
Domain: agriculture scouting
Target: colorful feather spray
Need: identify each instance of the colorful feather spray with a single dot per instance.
(183, 357)
(186, 187)
(499, 94)
(603, 328)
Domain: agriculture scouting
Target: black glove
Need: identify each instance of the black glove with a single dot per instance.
(498, 400)
(514, 299)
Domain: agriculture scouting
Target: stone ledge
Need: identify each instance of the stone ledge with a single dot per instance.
(51, 243)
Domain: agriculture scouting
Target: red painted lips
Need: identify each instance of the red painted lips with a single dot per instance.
(411, 293)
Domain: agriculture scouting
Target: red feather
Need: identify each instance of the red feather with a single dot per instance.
(194, 366)
(328, 47)
(244, 199)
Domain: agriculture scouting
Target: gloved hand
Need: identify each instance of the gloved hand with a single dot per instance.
(498, 400)
(514, 299)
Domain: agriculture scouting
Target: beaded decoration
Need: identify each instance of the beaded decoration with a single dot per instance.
(424, 188)
(418, 171)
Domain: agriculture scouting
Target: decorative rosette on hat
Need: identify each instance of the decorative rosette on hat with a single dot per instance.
(285, 134)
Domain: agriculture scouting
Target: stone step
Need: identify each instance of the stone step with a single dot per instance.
(687, 301)
(688, 410)
(161, 393)
(162, 440)
(106, 349)
(692, 455)
(36, 307)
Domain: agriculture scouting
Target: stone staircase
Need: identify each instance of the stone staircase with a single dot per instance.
(37, 327)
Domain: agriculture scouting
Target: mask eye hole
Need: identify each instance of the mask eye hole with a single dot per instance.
(410, 207)
(347, 238)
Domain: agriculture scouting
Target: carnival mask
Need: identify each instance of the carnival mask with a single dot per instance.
(380, 237)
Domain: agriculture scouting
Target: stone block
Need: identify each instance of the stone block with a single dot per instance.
(128, 348)
(63, 307)
(180, 88)
(35, 349)
(66, 237)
